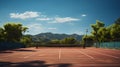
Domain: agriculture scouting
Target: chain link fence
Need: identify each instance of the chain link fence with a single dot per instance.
(115, 45)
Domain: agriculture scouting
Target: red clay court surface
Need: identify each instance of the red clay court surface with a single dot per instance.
(60, 57)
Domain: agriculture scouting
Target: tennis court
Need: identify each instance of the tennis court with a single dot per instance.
(60, 57)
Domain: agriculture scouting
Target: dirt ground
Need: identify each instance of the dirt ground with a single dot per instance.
(60, 57)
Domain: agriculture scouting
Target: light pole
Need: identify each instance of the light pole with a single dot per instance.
(85, 39)
(86, 32)
(86, 36)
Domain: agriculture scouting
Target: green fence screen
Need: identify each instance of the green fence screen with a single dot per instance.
(108, 44)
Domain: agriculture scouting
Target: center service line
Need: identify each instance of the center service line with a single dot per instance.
(59, 54)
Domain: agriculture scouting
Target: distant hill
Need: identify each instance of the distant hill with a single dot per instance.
(50, 36)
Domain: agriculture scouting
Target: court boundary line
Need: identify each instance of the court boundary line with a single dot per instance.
(105, 54)
(31, 54)
(86, 55)
(28, 56)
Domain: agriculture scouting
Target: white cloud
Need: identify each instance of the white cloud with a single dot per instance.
(44, 19)
(25, 15)
(52, 28)
(63, 20)
(41, 17)
(34, 28)
(57, 19)
(83, 15)
(35, 25)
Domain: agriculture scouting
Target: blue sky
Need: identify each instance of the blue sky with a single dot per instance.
(59, 16)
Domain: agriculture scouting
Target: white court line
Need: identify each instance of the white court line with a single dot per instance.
(59, 54)
(86, 55)
(41, 55)
(106, 54)
(28, 56)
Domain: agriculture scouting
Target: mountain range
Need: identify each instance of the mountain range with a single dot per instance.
(50, 36)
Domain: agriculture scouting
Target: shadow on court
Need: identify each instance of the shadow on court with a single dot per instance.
(18, 50)
(24, 50)
(5, 52)
(33, 64)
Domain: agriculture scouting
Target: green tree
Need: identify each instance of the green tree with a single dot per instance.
(68, 40)
(96, 28)
(13, 31)
(88, 40)
(26, 40)
(117, 21)
(56, 41)
(1, 34)
(102, 32)
(115, 31)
